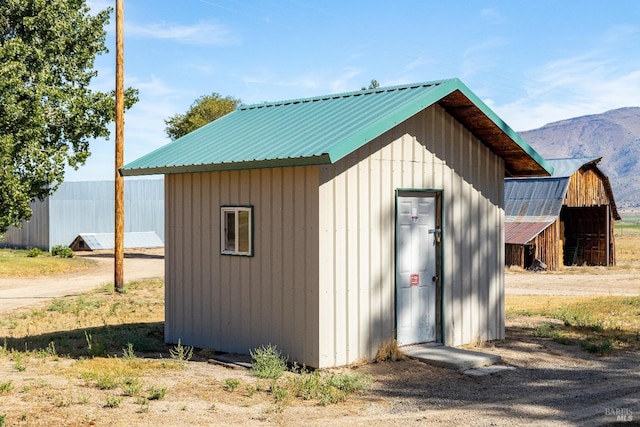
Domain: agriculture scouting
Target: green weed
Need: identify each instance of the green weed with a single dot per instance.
(180, 353)
(232, 384)
(128, 353)
(112, 401)
(96, 349)
(6, 387)
(329, 389)
(157, 393)
(131, 386)
(600, 346)
(267, 362)
(18, 361)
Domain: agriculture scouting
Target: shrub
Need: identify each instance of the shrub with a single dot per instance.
(267, 362)
(34, 252)
(181, 353)
(62, 251)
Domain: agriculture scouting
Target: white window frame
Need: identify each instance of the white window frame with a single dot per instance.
(230, 246)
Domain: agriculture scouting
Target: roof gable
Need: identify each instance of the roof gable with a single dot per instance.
(323, 130)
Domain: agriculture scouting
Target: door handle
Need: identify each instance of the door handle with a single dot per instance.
(434, 278)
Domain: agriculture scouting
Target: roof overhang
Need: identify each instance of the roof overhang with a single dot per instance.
(215, 167)
(521, 160)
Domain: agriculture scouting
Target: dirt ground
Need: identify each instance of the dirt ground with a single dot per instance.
(138, 264)
(552, 384)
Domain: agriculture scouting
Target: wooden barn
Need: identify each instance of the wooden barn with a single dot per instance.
(331, 225)
(565, 219)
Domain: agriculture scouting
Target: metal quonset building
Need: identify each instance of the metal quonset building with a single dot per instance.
(329, 225)
(88, 207)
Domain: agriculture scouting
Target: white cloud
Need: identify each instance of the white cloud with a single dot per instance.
(203, 33)
(570, 88)
(589, 82)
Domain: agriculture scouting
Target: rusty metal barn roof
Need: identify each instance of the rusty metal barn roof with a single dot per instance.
(519, 233)
(325, 129)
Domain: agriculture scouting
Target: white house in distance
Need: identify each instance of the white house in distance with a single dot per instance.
(329, 225)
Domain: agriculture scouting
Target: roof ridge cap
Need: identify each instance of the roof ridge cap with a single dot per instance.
(342, 95)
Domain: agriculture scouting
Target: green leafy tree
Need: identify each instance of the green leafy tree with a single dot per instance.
(48, 113)
(205, 109)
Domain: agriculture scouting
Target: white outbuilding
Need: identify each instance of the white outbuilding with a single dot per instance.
(328, 226)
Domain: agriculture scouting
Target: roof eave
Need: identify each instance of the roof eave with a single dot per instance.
(214, 167)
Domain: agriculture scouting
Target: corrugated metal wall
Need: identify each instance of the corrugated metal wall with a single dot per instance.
(34, 233)
(88, 207)
(238, 303)
(357, 220)
(321, 284)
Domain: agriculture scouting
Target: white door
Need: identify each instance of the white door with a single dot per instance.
(416, 279)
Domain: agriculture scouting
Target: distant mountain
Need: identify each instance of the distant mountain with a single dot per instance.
(614, 136)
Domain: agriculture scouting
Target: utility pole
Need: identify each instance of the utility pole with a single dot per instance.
(119, 185)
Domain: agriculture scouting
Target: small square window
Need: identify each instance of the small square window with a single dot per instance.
(236, 230)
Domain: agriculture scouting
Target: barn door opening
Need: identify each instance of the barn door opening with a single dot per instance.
(418, 239)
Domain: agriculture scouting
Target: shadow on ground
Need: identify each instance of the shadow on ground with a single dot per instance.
(147, 338)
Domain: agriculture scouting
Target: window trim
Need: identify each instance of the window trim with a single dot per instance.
(224, 210)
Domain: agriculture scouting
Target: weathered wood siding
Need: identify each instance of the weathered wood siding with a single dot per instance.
(357, 238)
(238, 303)
(546, 246)
(593, 229)
(586, 189)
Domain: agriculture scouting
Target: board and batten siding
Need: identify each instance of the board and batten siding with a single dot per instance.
(239, 303)
(357, 235)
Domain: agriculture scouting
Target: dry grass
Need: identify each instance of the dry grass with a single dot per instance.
(100, 357)
(613, 322)
(389, 351)
(16, 263)
(105, 319)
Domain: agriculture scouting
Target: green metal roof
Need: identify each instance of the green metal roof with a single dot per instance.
(322, 130)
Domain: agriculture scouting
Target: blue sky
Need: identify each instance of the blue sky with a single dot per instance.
(533, 62)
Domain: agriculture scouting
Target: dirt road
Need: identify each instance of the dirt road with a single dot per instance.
(20, 292)
(626, 284)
